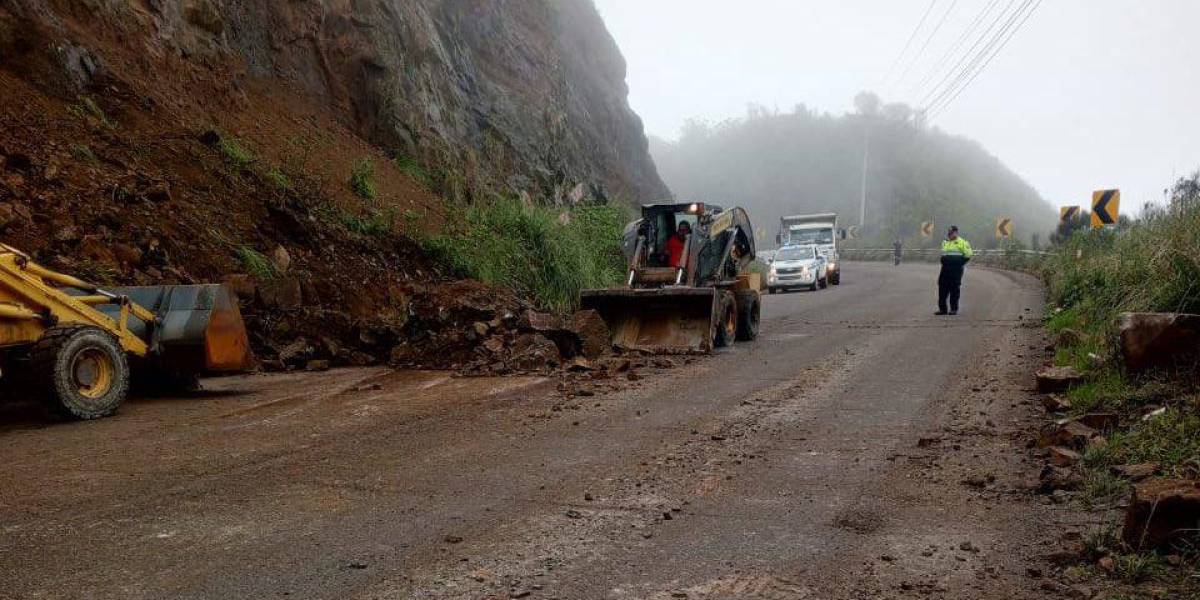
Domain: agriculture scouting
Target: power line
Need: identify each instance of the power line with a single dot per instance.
(968, 61)
(962, 37)
(933, 33)
(1011, 35)
(908, 44)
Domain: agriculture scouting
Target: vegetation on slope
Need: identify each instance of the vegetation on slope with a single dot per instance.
(545, 254)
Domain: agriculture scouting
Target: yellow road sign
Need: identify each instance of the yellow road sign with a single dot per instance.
(1003, 228)
(927, 228)
(1106, 205)
(1067, 213)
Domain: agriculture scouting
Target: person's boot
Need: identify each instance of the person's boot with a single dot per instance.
(941, 312)
(953, 312)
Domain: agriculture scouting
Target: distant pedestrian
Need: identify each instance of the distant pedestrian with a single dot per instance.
(897, 250)
(956, 251)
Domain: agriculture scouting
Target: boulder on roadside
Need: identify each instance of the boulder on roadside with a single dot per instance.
(1067, 434)
(1054, 478)
(594, 336)
(1100, 421)
(1063, 457)
(1161, 511)
(1158, 339)
(1056, 403)
(534, 352)
(1136, 472)
(1057, 379)
(281, 292)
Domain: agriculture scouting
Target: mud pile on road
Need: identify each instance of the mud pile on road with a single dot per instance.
(461, 325)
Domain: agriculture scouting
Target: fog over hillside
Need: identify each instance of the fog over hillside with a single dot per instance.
(775, 163)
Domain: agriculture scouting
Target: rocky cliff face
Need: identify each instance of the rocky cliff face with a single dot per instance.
(519, 97)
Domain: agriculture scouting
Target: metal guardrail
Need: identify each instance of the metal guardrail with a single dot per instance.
(1011, 258)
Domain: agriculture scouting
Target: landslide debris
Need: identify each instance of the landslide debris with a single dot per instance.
(297, 153)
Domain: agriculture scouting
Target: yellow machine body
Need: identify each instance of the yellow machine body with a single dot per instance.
(184, 328)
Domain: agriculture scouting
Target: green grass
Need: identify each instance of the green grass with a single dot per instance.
(1103, 391)
(1101, 487)
(87, 109)
(1136, 568)
(278, 179)
(376, 222)
(409, 166)
(234, 152)
(1099, 542)
(1171, 439)
(534, 251)
(362, 179)
(83, 153)
(255, 263)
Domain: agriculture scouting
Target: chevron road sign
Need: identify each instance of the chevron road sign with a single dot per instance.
(1106, 205)
(927, 229)
(1003, 228)
(1068, 213)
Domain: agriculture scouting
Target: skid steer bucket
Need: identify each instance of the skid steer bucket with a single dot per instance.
(662, 320)
(200, 327)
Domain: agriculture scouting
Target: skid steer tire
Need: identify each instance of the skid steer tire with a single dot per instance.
(80, 371)
(749, 311)
(727, 322)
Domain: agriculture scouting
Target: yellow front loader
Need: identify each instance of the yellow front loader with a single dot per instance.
(69, 342)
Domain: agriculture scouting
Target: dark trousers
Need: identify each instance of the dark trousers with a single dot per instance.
(949, 289)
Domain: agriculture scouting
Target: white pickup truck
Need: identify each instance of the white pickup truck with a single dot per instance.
(819, 229)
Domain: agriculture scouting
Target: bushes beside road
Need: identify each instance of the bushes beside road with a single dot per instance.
(546, 254)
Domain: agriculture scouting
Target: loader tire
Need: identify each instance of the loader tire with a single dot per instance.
(80, 371)
(749, 310)
(727, 322)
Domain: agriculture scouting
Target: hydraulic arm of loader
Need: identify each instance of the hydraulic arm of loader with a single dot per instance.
(30, 303)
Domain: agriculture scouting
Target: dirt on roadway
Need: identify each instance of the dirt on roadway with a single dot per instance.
(861, 448)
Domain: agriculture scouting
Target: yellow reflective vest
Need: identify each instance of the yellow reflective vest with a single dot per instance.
(957, 247)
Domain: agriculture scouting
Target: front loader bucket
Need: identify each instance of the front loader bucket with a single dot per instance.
(664, 320)
(200, 327)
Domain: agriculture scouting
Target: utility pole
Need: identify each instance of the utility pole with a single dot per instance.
(862, 206)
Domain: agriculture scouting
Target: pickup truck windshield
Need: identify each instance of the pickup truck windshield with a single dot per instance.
(811, 236)
(804, 253)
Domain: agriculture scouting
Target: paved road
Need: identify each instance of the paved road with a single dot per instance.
(825, 460)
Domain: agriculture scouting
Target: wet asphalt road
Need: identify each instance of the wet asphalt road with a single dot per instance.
(762, 472)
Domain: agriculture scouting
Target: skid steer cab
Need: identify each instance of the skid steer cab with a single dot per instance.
(70, 343)
(684, 293)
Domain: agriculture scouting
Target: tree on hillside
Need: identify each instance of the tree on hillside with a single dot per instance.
(776, 163)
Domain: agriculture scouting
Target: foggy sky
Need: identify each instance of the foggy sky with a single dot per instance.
(1089, 94)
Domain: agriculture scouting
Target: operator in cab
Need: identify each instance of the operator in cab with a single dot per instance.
(956, 251)
(676, 243)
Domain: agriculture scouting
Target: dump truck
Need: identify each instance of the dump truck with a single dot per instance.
(73, 344)
(820, 229)
(706, 300)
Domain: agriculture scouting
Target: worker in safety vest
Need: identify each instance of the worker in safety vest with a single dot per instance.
(955, 253)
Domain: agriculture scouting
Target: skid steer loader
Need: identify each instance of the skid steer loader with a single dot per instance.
(706, 301)
(66, 341)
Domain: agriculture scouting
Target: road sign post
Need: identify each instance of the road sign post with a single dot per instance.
(1106, 205)
(1003, 228)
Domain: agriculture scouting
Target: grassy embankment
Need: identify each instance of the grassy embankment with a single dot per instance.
(543, 253)
(1150, 264)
